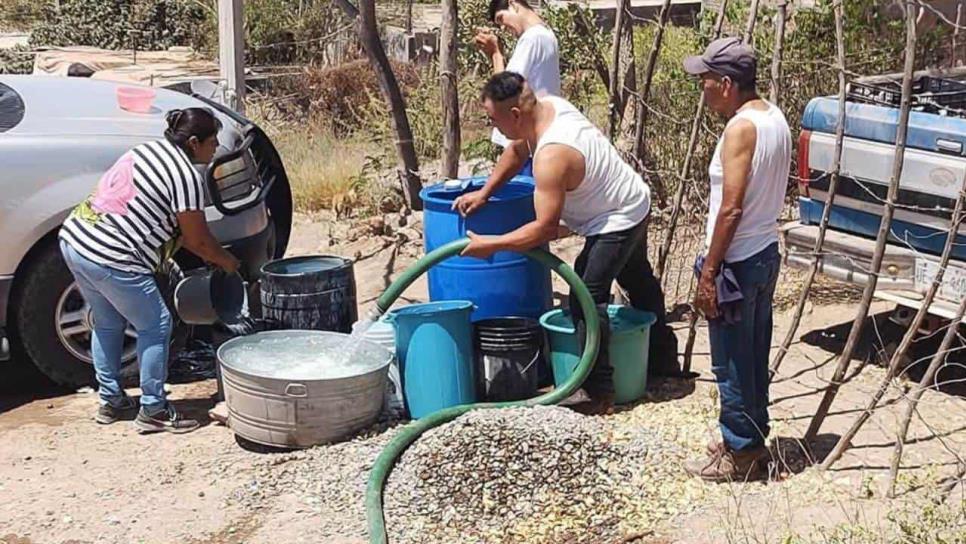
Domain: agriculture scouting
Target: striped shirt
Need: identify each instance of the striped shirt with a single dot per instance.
(130, 221)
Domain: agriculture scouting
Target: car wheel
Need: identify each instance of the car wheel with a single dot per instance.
(54, 323)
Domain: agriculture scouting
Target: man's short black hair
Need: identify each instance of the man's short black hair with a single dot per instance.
(503, 86)
(500, 5)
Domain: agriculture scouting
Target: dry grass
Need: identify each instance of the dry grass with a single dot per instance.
(322, 168)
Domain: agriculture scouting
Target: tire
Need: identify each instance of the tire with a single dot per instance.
(41, 290)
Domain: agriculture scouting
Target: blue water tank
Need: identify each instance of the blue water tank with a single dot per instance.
(506, 284)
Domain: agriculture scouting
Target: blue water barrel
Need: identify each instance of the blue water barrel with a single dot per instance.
(506, 284)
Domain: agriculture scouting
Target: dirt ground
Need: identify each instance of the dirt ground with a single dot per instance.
(65, 479)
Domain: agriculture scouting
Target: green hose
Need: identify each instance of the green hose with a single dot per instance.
(387, 458)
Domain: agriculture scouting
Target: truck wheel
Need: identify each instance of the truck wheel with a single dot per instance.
(53, 323)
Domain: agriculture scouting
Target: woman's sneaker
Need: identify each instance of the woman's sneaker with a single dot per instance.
(165, 419)
(110, 413)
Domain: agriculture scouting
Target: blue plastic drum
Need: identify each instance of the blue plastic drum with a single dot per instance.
(506, 284)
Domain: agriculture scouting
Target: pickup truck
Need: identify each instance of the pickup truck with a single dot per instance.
(57, 136)
(933, 173)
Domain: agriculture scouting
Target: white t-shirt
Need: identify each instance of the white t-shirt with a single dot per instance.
(612, 197)
(536, 57)
(765, 195)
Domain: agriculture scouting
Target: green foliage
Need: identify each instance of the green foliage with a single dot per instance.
(874, 45)
(160, 23)
(578, 49)
(16, 60)
(289, 31)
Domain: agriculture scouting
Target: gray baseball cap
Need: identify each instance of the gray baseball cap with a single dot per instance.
(725, 57)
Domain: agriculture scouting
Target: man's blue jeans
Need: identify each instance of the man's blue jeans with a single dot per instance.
(739, 353)
(117, 298)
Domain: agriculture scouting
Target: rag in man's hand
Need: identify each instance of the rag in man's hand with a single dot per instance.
(727, 291)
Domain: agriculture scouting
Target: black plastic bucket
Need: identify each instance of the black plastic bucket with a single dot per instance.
(315, 292)
(509, 354)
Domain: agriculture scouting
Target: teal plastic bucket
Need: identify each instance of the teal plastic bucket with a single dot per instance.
(434, 348)
(630, 331)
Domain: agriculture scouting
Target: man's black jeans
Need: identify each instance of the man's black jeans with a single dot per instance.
(623, 256)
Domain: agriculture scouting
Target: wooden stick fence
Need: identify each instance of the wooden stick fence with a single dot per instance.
(684, 175)
(883, 234)
(897, 358)
(832, 190)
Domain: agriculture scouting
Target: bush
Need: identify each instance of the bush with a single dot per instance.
(161, 23)
(286, 31)
(344, 96)
(16, 60)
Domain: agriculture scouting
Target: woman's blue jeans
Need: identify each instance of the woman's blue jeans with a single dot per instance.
(116, 299)
(739, 352)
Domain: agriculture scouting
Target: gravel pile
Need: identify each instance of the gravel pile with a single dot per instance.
(542, 474)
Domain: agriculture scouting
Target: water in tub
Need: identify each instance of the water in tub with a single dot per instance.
(307, 356)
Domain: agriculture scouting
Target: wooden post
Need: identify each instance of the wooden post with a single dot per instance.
(883, 234)
(616, 106)
(648, 79)
(774, 93)
(832, 189)
(231, 52)
(896, 360)
(365, 17)
(450, 160)
(749, 35)
(665, 248)
(955, 61)
(938, 359)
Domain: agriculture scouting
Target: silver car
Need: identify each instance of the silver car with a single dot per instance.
(57, 136)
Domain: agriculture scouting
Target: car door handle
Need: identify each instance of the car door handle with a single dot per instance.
(949, 146)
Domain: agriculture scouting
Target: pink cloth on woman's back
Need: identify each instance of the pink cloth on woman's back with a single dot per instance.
(116, 187)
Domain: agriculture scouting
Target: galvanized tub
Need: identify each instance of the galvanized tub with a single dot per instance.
(297, 389)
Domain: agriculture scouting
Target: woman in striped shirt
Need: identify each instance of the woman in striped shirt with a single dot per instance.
(150, 202)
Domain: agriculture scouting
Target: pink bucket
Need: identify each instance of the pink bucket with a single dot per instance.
(135, 99)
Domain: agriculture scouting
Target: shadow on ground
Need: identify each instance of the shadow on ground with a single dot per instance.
(879, 341)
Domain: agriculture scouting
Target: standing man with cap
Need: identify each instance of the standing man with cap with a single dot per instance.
(536, 56)
(749, 175)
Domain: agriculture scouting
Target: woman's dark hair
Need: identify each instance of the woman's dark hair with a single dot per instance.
(183, 124)
(500, 5)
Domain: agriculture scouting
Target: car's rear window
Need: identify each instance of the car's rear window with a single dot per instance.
(11, 108)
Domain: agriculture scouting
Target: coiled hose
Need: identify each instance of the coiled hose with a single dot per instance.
(387, 458)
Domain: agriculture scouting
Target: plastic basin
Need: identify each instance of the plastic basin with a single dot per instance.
(135, 99)
(628, 348)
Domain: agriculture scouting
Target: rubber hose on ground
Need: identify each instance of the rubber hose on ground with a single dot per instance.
(387, 458)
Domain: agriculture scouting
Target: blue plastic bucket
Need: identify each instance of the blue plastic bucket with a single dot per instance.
(630, 331)
(505, 284)
(434, 347)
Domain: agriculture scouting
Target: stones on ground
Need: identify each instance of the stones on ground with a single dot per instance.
(542, 474)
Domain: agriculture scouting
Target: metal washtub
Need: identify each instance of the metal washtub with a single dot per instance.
(280, 401)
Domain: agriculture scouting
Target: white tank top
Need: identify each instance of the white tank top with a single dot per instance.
(612, 197)
(765, 195)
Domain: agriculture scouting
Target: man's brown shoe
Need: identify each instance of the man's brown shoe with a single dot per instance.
(727, 465)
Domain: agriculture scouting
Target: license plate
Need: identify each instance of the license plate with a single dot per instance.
(953, 286)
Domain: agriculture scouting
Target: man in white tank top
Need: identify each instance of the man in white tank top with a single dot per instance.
(580, 181)
(748, 174)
